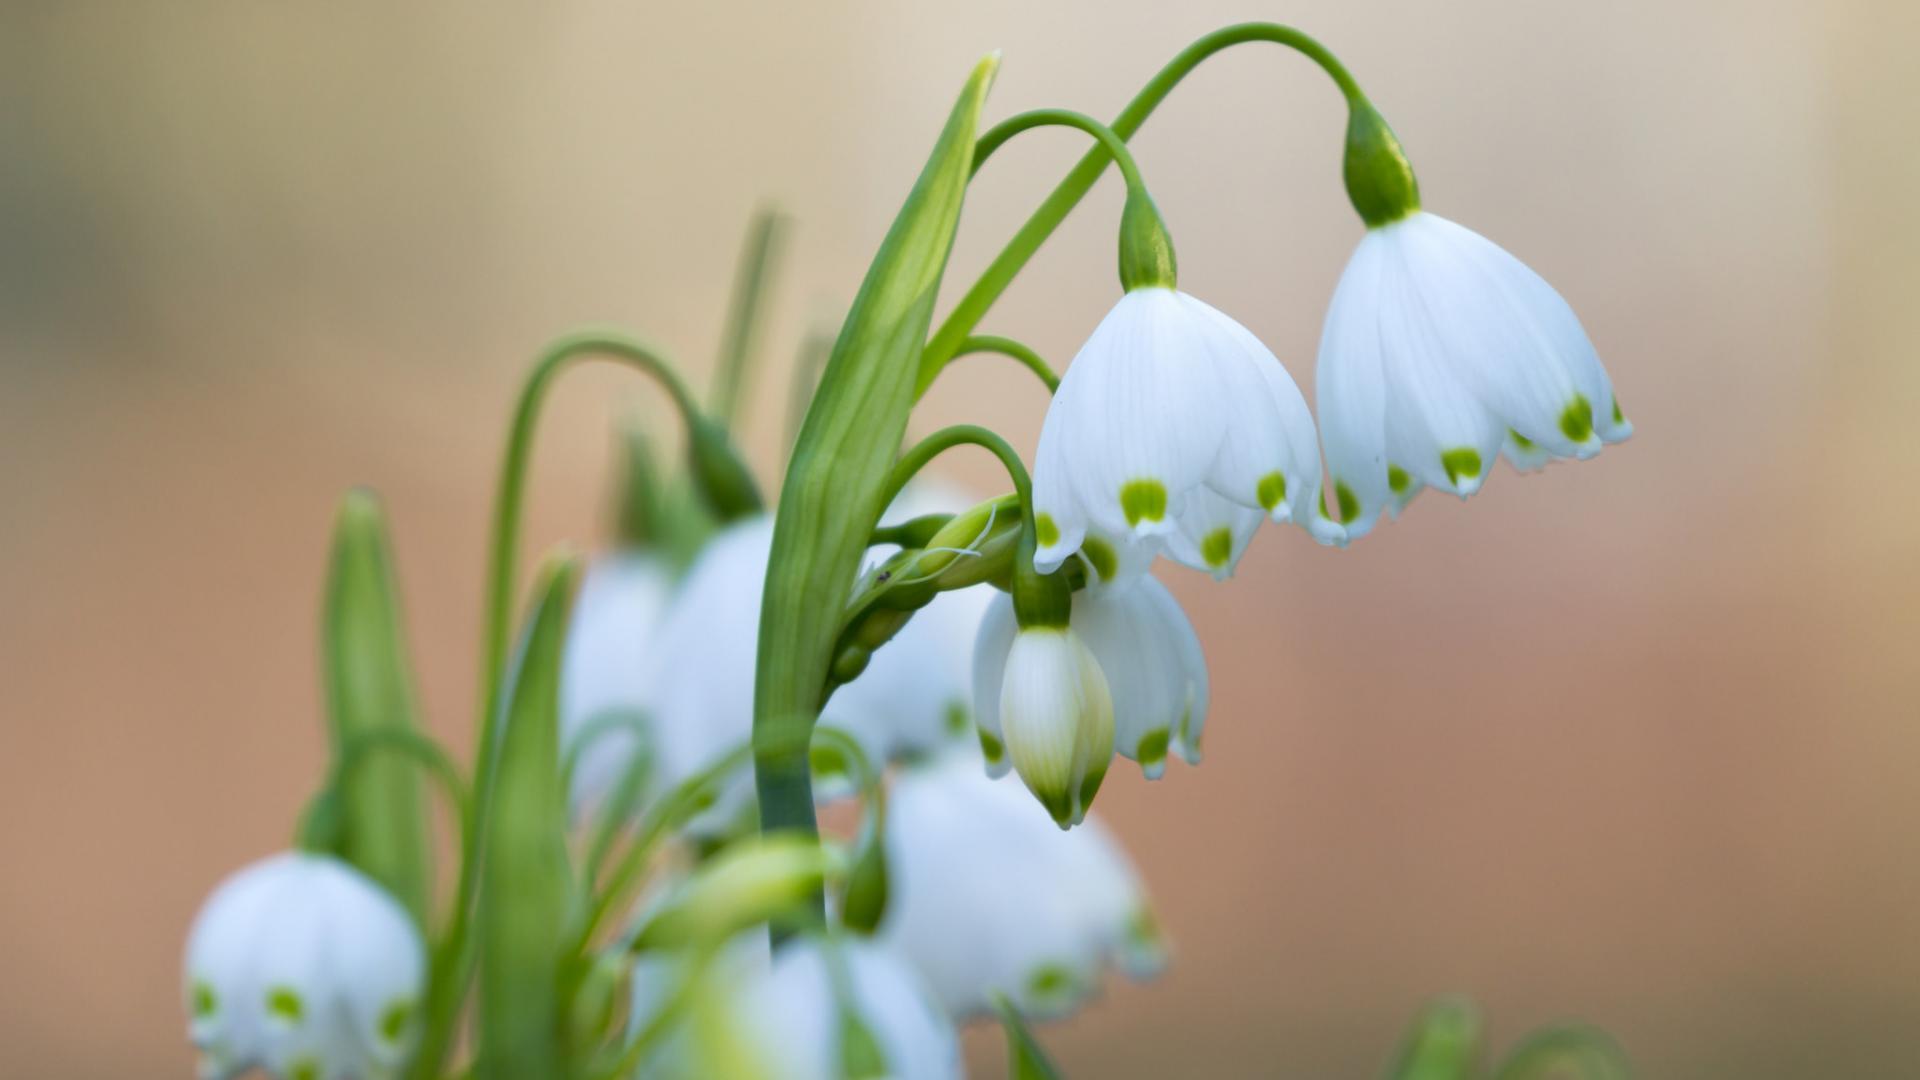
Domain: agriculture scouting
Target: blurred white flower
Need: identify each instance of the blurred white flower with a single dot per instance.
(1167, 402)
(1440, 351)
(604, 691)
(1142, 642)
(301, 965)
(988, 896)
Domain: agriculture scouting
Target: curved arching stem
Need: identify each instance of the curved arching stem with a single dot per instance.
(994, 280)
(1000, 133)
(991, 343)
(946, 439)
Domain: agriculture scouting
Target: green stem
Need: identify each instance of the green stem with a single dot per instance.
(752, 287)
(422, 750)
(453, 961)
(946, 439)
(945, 343)
(1006, 129)
(982, 343)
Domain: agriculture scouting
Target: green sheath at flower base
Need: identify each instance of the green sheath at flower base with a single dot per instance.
(527, 902)
(1444, 1043)
(833, 494)
(1380, 181)
(1146, 251)
(383, 823)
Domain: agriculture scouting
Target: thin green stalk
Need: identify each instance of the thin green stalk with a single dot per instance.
(945, 343)
(752, 290)
(452, 966)
(983, 343)
(946, 439)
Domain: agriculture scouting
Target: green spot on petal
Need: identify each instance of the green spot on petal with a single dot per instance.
(304, 1069)
(957, 717)
(1050, 980)
(1101, 557)
(1272, 491)
(1143, 500)
(285, 1004)
(1090, 786)
(1459, 462)
(1217, 547)
(1397, 479)
(1143, 928)
(991, 747)
(1045, 531)
(1618, 416)
(1153, 747)
(1577, 422)
(393, 1022)
(1349, 506)
(1521, 441)
(204, 1001)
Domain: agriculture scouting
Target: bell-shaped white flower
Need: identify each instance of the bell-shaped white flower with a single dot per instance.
(825, 1011)
(1051, 716)
(1170, 401)
(301, 965)
(987, 896)
(605, 697)
(1142, 642)
(1440, 352)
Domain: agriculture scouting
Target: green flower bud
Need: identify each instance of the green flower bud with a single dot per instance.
(748, 883)
(1146, 251)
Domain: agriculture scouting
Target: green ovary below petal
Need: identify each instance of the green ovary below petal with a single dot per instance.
(1045, 531)
(1459, 462)
(1272, 491)
(1143, 500)
(1577, 422)
(1397, 479)
(1217, 547)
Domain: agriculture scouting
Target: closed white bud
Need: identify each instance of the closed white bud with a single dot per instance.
(301, 965)
(1056, 717)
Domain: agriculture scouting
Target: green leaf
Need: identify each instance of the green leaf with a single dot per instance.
(841, 463)
(1566, 1052)
(1026, 1059)
(753, 280)
(527, 901)
(369, 683)
(1444, 1042)
(747, 883)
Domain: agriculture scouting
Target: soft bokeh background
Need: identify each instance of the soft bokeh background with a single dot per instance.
(1633, 741)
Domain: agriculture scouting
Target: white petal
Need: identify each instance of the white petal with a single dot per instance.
(603, 672)
(1213, 533)
(1438, 433)
(1145, 645)
(1115, 562)
(991, 647)
(792, 1017)
(1350, 389)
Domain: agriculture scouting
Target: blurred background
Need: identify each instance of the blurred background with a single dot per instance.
(1633, 741)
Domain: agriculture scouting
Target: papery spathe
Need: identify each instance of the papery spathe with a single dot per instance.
(1168, 400)
(1440, 352)
(989, 897)
(303, 966)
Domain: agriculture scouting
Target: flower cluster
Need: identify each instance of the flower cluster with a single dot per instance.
(642, 885)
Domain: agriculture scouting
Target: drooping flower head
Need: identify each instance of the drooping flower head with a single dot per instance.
(301, 965)
(989, 897)
(1441, 352)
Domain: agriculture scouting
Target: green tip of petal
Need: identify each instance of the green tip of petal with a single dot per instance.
(957, 717)
(1051, 981)
(304, 1069)
(1272, 491)
(1618, 416)
(1143, 500)
(1089, 787)
(203, 1000)
(1217, 547)
(991, 747)
(1521, 441)
(1100, 555)
(1153, 747)
(1459, 462)
(1577, 422)
(1045, 531)
(285, 1004)
(393, 1022)
(1397, 479)
(1342, 494)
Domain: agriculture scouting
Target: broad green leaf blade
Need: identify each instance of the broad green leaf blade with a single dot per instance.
(845, 453)
(1444, 1042)
(369, 683)
(526, 903)
(1566, 1052)
(1026, 1058)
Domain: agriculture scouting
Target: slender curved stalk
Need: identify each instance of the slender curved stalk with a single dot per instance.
(752, 289)
(946, 439)
(967, 314)
(453, 959)
(422, 750)
(1000, 133)
(991, 343)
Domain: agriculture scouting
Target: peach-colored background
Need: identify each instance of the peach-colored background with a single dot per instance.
(1634, 740)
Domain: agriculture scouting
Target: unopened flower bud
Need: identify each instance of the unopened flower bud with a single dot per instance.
(302, 966)
(1057, 717)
